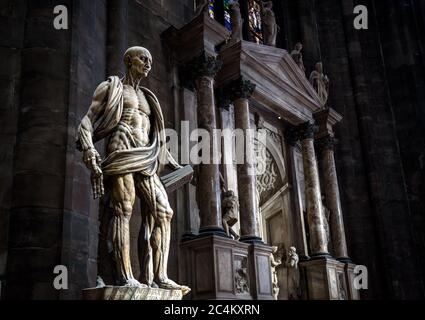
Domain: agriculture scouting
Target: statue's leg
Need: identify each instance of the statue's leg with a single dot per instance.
(122, 200)
(154, 193)
(144, 241)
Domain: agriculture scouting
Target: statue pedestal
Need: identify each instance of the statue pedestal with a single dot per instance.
(131, 293)
(218, 268)
(261, 277)
(325, 279)
(354, 294)
(222, 268)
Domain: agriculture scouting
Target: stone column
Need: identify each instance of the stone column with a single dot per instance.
(300, 239)
(332, 199)
(239, 92)
(203, 69)
(315, 215)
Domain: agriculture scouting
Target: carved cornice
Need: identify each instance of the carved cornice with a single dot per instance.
(326, 143)
(203, 65)
(238, 89)
(306, 130)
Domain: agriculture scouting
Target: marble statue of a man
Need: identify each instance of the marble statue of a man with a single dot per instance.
(293, 274)
(270, 27)
(275, 262)
(129, 117)
(237, 21)
(297, 55)
(320, 82)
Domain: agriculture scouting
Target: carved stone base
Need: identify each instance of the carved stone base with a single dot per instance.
(218, 268)
(353, 293)
(325, 279)
(261, 277)
(131, 293)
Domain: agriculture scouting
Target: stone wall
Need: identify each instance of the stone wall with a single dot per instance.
(12, 17)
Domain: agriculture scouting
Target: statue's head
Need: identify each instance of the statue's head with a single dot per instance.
(268, 5)
(319, 67)
(298, 46)
(292, 250)
(138, 60)
(274, 249)
(234, 4)
(229, 193)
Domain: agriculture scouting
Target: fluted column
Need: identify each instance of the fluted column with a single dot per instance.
(203, 69)
(239, 92)
(315, 214)
(331, 190)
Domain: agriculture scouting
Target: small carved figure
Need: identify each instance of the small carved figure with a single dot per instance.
(275, 262)
(230, 211)
(270, 27)
(293, 274)
(320, 83)
(297, 55)
(241, 281)
(237, 21)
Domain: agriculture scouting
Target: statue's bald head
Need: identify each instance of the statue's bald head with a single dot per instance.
(138, 59)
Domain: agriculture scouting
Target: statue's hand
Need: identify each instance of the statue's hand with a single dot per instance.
(92, 160)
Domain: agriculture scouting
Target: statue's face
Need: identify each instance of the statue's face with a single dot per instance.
(140, 62)
(298, 46)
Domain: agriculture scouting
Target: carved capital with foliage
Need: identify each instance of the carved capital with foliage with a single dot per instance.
(306, 130)
(327, 142)
(203, 65)
(239, 89)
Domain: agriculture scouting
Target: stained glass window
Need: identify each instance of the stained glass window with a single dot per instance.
(211, 8)
(254, 18)
(227, 21)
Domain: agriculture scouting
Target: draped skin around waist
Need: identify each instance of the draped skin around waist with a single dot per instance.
(136, 159)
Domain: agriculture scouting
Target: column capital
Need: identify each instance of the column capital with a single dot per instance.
(326, 119)
(327, 142)
(306, 130)
(238, 89)
(204, 65)
(291, 135)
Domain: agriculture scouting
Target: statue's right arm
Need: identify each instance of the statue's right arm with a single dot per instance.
(85, 130)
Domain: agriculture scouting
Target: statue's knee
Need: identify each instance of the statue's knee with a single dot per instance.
(123, 209)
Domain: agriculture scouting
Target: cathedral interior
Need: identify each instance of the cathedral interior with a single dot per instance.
(342, 156)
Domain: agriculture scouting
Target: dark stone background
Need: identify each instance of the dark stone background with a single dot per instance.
(47, 78)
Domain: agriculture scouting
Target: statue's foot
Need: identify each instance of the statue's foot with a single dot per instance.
(171, 285)
(134, 283)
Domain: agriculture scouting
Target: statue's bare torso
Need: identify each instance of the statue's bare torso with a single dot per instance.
(136, 113)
